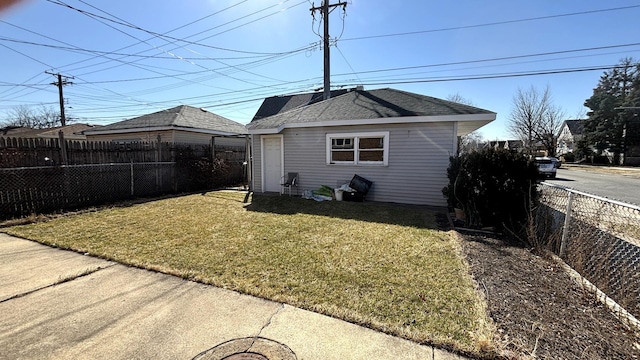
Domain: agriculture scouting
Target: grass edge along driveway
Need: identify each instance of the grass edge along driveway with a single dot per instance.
(386, 267)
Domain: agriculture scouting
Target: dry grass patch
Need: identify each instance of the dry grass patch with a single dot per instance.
(386, 267)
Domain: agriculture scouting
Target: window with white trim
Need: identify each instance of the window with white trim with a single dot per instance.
(358, 148)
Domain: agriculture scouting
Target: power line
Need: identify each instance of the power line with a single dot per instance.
(101, 53)
(489, 76)
(170, 31)
(491, 23)
(126, 24)
(497, 58)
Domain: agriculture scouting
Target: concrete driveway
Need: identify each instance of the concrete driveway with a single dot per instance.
(58, 304)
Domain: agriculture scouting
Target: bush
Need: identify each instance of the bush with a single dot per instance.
(569, 157)
(200, 173)
(494, 187)
(600, 160)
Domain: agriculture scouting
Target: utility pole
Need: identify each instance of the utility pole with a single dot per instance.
(60, 83)
(324, 8)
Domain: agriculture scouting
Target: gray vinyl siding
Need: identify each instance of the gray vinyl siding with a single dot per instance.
(416, 172)
(256, 172)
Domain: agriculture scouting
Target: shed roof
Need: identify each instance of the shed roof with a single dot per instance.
(363, 105)
(183, 116)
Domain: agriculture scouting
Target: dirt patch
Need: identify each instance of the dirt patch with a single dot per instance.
(539, 311)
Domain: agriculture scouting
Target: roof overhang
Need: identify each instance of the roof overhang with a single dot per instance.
(160, 128)
(465, 122)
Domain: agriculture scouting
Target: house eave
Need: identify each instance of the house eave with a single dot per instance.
(481, 119)
(159, 128)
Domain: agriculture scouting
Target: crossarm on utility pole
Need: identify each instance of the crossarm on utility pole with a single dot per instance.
(60, 83)
(324, 8)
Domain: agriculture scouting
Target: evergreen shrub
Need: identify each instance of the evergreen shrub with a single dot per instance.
(495, 188)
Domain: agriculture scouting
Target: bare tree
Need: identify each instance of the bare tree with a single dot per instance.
(535, 120)
(473, 141)
(457, 98)
(41, 117)
(549, 130)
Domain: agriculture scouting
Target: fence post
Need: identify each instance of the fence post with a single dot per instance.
(158, 159)
(213, 147)
(567, 223)
(63, 148)
(132, 189)
(159, 149)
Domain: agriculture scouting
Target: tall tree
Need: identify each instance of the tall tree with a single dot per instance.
(608, 123)
(535, 119)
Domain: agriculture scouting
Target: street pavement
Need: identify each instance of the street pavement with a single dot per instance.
(619, 184)
(57, 304)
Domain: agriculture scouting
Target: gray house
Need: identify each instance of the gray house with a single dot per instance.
(400, 141)
(181, 124)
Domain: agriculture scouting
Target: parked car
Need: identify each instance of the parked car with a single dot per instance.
(547, 166)
(556, 162)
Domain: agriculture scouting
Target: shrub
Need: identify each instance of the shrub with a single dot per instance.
(494, 187)
(569, 157)
(600, 160)
(200, 173)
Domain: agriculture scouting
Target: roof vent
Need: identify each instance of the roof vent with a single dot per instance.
(203, 109)
(360, 88)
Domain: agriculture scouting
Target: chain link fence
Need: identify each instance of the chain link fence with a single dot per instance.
(46, 189)
(599, 238)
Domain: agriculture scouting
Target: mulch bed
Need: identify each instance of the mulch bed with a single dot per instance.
(539, 311)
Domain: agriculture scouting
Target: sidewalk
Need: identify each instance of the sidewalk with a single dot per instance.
(58, 304)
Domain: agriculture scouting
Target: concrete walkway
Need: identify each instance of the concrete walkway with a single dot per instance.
(57, 304)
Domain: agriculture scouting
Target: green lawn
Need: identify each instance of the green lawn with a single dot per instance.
(386, 267)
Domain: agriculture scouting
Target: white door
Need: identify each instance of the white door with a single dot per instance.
(272, 163)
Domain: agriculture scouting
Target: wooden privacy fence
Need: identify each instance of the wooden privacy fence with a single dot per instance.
(35, 177)
(29, 152)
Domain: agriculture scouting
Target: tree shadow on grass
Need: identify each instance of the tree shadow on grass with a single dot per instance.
(385, 213)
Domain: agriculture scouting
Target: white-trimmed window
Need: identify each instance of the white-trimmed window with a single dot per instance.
(358, 148)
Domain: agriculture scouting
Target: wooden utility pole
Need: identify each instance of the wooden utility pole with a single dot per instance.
(60, 83)
(324, 8)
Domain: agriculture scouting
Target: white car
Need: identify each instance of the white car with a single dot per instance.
(546, 167)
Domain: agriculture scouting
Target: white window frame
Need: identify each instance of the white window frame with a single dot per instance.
(356, 151)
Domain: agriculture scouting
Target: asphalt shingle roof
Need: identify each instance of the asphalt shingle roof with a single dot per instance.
(70, 131)
(278, 104)
(183, 116)
(576, 127)
(374, 104)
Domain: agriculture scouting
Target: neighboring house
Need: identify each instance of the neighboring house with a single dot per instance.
(518, 146)
(497, 144)
(181, 124)
(70, 132)
(399, 140)
(570, 133)
(513, 145)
